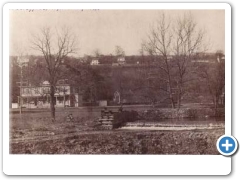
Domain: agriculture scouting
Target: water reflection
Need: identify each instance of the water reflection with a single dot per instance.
(188, 121)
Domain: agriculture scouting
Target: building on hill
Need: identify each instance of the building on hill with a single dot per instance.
(94, 62)
(220, 58)
(121, 60)
(209, 59)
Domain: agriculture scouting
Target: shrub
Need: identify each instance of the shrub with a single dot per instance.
(121, 118)
(220, 112)
(192, 113)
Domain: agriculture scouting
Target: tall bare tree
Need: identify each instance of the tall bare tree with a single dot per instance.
(187, 41)
(159, 44)
(174, 43)
(55, 46)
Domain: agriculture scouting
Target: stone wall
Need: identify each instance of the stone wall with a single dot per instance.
(168, 113)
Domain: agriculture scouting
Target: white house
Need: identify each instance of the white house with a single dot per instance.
(94, 62)
(220, 59)
(121, 60)
(39, 96)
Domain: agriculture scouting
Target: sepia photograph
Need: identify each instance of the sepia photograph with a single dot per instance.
(116, 81)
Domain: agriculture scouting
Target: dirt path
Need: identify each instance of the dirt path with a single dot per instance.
(127, 129)
(55, 137)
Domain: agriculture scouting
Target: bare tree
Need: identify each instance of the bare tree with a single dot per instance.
(214, 77)
(54, 47)
(187, 41)
(96, 53)
(159, 45)
(146, 82)
(119, 51)
(174, 44)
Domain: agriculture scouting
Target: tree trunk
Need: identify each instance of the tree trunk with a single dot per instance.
(170, 92)
(179, 97)
(64, 100)
(216, 105)
(52, 102)
(172, 101)
(170, 83)
(179, 101)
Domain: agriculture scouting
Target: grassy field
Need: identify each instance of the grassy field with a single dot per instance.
(35, 133)
(39, 123)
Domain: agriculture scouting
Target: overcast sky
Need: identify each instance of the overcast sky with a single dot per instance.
(104, 29)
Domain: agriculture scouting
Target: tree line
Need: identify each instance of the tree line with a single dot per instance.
(168, 55)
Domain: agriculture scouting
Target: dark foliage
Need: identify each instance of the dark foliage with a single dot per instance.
(121, 118)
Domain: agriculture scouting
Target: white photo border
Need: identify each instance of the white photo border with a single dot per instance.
(115, 164)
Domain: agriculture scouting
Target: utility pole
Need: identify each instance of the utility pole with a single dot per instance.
(21, 63)
(20, 111)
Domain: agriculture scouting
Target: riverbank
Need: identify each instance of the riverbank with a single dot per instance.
(35, 133)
